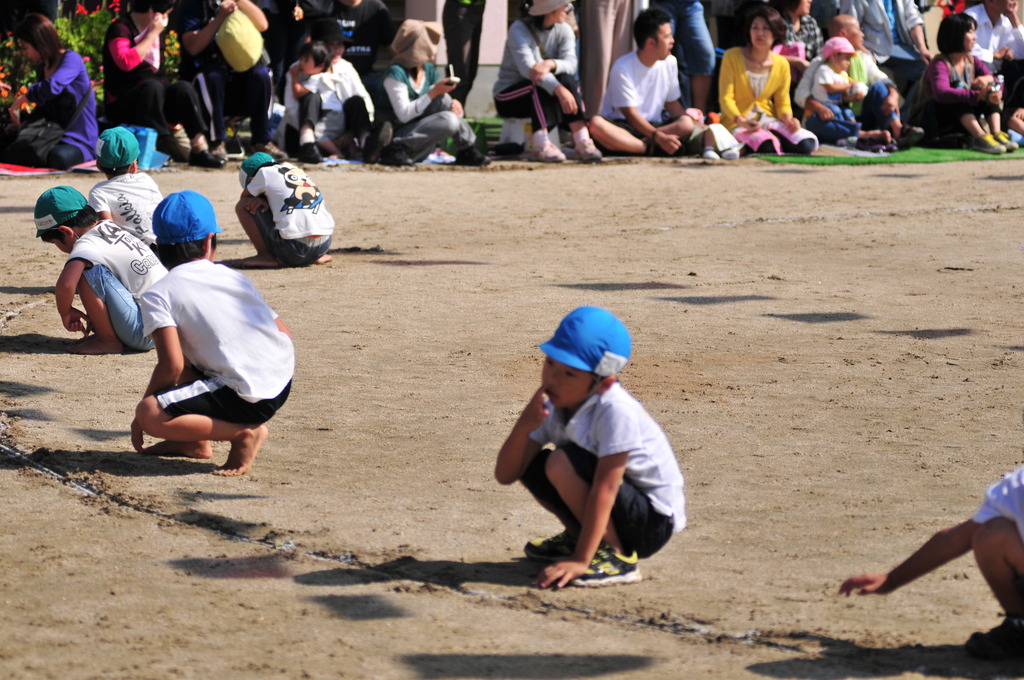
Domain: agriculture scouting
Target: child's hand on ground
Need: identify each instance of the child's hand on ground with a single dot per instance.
(137, 440)
(864, 584)
(560, 574)
(76, 322)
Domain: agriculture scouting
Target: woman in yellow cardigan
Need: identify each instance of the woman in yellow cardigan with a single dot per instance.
(754, 89)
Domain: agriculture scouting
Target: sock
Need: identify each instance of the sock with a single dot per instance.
(581, 135)
(307, 136)
(540, 139)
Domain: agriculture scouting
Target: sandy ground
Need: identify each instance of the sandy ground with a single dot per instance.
(834, 352)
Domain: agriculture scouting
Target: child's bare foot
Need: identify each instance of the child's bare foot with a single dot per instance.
(93, 345)
(201, 450)
(324, 259)
(880, 136)
(243, 452)
(262, 261)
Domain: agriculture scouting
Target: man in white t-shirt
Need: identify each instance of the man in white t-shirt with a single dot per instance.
(107, 267)
(642, 113)
(126, 197)
(225, 359)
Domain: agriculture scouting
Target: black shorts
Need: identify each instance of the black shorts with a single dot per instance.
(209, 398)
(640, 527)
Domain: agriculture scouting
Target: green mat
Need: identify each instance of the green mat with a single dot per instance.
(914, 155)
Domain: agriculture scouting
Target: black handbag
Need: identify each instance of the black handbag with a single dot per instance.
(35, 140)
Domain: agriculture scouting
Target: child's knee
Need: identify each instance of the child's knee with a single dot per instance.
(149, 412)
(558, 466)
(998, 535)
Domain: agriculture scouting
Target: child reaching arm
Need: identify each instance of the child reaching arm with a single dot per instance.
(994, 534)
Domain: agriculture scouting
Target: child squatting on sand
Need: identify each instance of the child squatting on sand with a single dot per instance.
(994, 534)
(612, 478)
(107, 266)
(224, 359)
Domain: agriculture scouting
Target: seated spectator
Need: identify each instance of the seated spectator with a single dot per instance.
(1000, 33)
(537, 80)
(877, 110)
(126, 197)
(63, 96)
(754, 89)
(420, 101)
(328, 110)
(136, 91)
(957, 91)
(803, 41)
(368, 24)
(641, 113)
(224, 91)
(694, 51)
(894, 34)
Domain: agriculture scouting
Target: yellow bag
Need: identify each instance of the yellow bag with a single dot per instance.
(239, 41)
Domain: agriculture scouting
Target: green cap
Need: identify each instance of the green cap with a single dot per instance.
(253, 163)
(56, 206)
(116, 148)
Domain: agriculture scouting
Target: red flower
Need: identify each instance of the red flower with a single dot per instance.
(80, 9)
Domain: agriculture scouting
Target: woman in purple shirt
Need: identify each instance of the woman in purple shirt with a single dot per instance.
(64, 83)
(957, 91)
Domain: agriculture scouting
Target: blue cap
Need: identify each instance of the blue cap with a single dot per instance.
(590, 339)
(183, 217)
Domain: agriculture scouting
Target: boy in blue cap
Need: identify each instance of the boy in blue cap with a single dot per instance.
(225, 360)
(107, 267)
(283, 213)
(126, 197)
(611, 478)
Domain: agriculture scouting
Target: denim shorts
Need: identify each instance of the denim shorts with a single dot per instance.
(290, 252)
(124, 312)
(640, 527)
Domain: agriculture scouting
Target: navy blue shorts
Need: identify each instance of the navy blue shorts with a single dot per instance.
(210, 398)
(640, 527)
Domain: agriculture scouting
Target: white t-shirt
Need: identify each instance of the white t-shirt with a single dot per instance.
(128, 258)
(1005, 498)
(630, 83)
(826, 75)
(615, 422)
(295, 202)
(130, 200)
(225, 328)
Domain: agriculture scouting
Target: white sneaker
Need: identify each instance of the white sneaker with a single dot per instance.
(549, 153)
(710, 154)
(731, 154)
(586, 152)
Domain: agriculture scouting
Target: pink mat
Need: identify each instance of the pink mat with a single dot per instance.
(9, 169)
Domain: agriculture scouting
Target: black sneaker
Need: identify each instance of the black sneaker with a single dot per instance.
(1005, 641)
(471, 156)
(551, 549)
(310, 153)
(395, 155)
(376, 141)
(910, 136)
(609, 568)
(204, 159)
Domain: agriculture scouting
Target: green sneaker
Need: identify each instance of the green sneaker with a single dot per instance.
(609, 568)
(551, 549)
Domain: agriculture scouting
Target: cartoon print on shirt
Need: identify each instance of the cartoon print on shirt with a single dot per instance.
(305, 194)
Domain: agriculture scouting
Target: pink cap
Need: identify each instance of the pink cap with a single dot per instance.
(837, 46)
